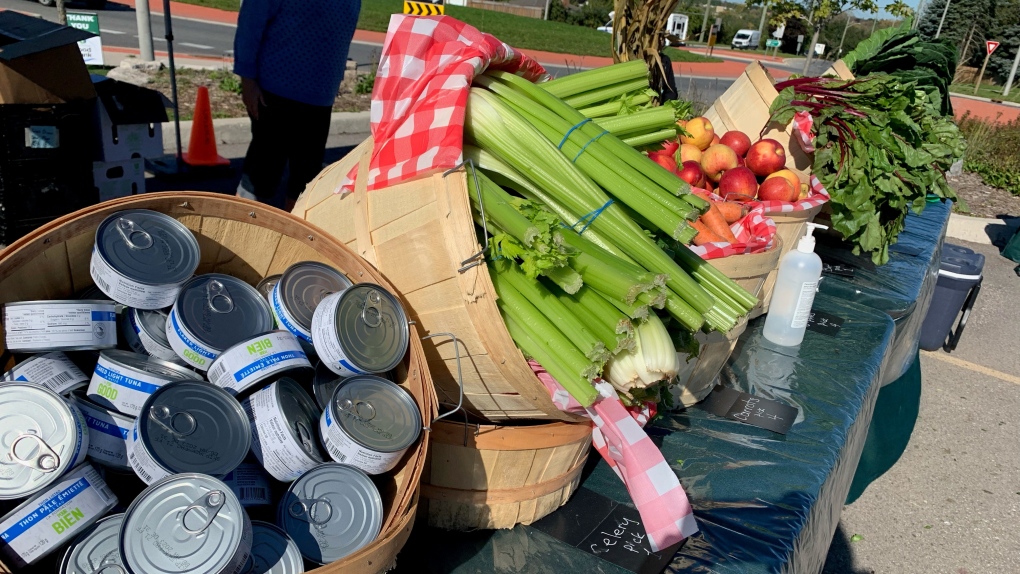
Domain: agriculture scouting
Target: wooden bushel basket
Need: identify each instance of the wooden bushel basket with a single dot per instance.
(250, 241)
(421, 235)
(485, 476)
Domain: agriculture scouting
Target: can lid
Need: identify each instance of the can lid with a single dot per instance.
(148, 246)
(273, 551)
(148, 364)
(372, 327)
(184, 523)
(305, 284)
(153, 323)
(335, 503)
(221, 310)
(376, 413)
(96, 550)
(39, 435)
(266, 285)
(195, 426)
(324, 383)
(301, 415)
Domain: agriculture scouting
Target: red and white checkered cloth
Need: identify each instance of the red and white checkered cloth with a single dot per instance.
(802, 124)
(421, 91)
(620, 439)
(754, 233)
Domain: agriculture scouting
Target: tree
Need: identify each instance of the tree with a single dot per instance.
(1002, 59)
(899, 10)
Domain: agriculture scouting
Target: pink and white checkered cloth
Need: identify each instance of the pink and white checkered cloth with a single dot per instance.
(421, 92)
(620, 439)
(754, 233)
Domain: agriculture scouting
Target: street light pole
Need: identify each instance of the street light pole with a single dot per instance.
(917, 15)
(704, 23)
(144, 31)
(843, 37)
(943, 20)
(1012, 73)
(547, 3)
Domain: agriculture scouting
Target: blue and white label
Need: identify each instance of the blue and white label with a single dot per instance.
(128, 292)
(327, 343)
(108, 435)
(53, 370)
(81, 443)
(141, 461)
(142, 342)
(284, 319)
(272, 440)
(50, 326)
(56, 516)
(256, 360)
(187, 348)
(122, 388)
(344, 449)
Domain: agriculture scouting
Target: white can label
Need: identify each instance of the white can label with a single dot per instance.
(271, 441)
(127, 292)
(327, 344)
(82, 443)
(342, 448)
(194, 353)
(804, 302)
(142, 343)
(108, 436)
(141, 461)
(60, 325)
(284, 319)
(58, 515)
(53, 370)
(250, 485)
(258, 359)
(240, 561)
(121, 389)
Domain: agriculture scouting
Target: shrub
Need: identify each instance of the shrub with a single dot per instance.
(991, 151)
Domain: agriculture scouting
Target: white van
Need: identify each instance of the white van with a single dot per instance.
(676, 29)
(746, 40)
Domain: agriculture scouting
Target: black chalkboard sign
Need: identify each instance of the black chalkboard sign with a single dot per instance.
(824, 323)
(750, 409)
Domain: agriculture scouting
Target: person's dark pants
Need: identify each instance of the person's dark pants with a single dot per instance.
(286, 133)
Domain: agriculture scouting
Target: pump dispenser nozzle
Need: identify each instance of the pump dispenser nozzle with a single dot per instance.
(807, 243)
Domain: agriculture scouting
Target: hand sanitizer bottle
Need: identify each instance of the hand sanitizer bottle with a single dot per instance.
(794, 293)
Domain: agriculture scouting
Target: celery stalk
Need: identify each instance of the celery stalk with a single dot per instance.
(652, 119)
(592, 97)
(608, 323)
(618, 105)
(649, 139)
(596, 78)
(578, 387)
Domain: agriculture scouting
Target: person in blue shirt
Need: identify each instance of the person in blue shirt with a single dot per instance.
(291, 56)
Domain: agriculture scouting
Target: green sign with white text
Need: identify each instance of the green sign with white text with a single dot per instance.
(91, 49)
(773, 43)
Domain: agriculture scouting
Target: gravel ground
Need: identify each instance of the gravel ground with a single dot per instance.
(982, 200)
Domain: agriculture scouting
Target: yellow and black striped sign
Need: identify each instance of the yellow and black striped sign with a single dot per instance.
(424, 8)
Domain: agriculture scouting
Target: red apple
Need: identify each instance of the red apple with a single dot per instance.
(777, 189)
(692, 173)
(663, 159)
(766, 157)
(738, 141)
(716, 160)
(736, 182)
(715, 140)
(788, 175)
(688, 152)
(670, 146)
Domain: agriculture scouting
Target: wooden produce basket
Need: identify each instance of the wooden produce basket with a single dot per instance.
(421, 235)
(745, 107)
(250, 241)
(485, 476)
(840, 70)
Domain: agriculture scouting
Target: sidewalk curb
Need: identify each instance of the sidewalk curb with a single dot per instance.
(982, 230)
(237, 131)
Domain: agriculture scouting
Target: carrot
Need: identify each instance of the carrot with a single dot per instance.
(705, 235)
(715, 221)
(731, 212)
(702, 193)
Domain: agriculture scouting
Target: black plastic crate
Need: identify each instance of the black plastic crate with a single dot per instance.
(57, 132)
(33, 192)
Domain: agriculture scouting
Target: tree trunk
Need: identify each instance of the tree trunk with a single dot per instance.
(966, 48)
(811, 50)
(61, 12)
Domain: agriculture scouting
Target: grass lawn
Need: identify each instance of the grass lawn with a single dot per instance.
(989, 91)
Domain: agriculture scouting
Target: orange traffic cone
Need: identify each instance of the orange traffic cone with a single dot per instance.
(202, 147)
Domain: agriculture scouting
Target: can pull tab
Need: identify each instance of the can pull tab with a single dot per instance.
(134, 236)
(109, 568)
(46, 460)
(362, 410)
(315, 511)
(305, 436)
(371, 314)
(178, 423)
(212, 502)
(219, 299)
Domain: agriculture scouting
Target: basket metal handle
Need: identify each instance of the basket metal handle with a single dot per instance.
(460, 377)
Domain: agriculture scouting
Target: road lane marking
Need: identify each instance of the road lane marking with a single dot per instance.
(947, 358)
(199, 46)
(114, 32)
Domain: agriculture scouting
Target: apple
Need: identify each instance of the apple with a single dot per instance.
(716, 160)
(788, 175)
(738, 181)
(663, 159)
(715, 140)
(701, 132)
(688, 152)
(692, 173)
(777, 189)
(670, 146)
(736, 140)
(765, 157)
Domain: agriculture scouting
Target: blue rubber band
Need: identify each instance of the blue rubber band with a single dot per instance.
(590, 218)
(591, 141)
(571, 130)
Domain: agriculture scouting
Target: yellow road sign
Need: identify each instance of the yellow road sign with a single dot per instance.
(431, 8)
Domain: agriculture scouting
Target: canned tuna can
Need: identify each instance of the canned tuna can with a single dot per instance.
(326, 382)
(145, 333)
(360, 331)
(298, 293)
(53, 370)
(265, 287)
(108, 433)
(53, 518)
(215, 312)
(123, 381)
(331, 512)
(369, 423)
(96, 550)
(186, 524)
(43, 437)
(273, 552)
(40, 326)
(141, 258)
(272, 354)
(250, 484)
(188, 426)
(282, 418)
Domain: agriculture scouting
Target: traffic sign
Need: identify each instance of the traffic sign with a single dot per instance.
(92, 48)
(424, 8)
(779, 31)
(773, 43)
(991, 45)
